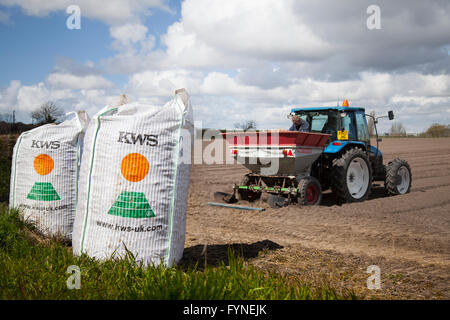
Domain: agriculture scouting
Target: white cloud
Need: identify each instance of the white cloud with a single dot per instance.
(70, 81)
(322, 40)
(26, 98)
(257, 59)
(262, 28)
(131, 39)
(187, 50)
(128, 33)
(231, 33)
(163, 83)
(216, 83)
(114, 12)
(31, 97)
(9, 96)
(220, 100)
(223, 99)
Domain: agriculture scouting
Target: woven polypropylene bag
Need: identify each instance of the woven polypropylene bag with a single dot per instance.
(134, 182)
(44, 174)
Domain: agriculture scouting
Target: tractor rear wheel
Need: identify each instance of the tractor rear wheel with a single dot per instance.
(309, 191)
(398, 177)
(351, 176)
(246, 194)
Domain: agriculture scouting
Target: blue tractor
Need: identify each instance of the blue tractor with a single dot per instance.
(350, 163)
(336, 153)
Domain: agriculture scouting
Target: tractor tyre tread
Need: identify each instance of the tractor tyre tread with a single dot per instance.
(303, 186)
(391, 172)
(339, 175)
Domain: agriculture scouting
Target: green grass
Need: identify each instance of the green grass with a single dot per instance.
(35, 268)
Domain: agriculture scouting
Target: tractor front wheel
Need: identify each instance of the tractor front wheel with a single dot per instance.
(309, 191)
(351, 177)
(398, 177)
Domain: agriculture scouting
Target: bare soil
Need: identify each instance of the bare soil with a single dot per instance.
(407, 236)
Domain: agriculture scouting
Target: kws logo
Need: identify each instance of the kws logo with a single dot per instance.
(133, 138)
(45, 144)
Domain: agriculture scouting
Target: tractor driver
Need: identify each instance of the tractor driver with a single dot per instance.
(330, 126)
(298, 124)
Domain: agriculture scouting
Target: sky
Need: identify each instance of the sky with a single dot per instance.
(239, 60)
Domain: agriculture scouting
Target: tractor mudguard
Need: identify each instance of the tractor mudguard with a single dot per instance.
(337, 145)
(376, 151)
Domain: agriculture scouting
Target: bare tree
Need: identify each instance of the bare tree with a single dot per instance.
(370, 124)
(397, 129)
(49, 112)
(245, 125)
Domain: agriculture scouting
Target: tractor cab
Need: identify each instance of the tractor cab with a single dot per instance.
(348, 128)
(343, 123)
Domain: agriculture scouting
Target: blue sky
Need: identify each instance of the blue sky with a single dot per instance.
(239, 61)
(32, 43)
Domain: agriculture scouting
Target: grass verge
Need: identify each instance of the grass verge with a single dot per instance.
(32, 267)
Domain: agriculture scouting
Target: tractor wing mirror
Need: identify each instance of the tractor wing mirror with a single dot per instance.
(391, 115)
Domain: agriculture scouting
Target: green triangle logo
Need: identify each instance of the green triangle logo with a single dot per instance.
(43, 191)
(131, 205)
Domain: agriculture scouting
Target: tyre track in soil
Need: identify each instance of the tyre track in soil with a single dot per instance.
(408, 235)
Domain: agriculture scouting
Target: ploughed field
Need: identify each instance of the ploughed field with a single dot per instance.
(407, 236)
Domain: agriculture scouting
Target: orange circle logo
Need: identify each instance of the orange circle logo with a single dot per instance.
(43, 164)
(134, 167)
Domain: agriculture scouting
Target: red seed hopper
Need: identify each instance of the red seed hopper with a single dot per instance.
(276, 152)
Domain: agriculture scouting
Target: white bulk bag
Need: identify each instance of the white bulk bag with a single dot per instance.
(134, 181)
(44, 174)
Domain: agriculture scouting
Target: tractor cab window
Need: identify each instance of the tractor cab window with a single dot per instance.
(331, 126)
(349, 124)
(361, 124)
(318, 121)
(326, 121)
